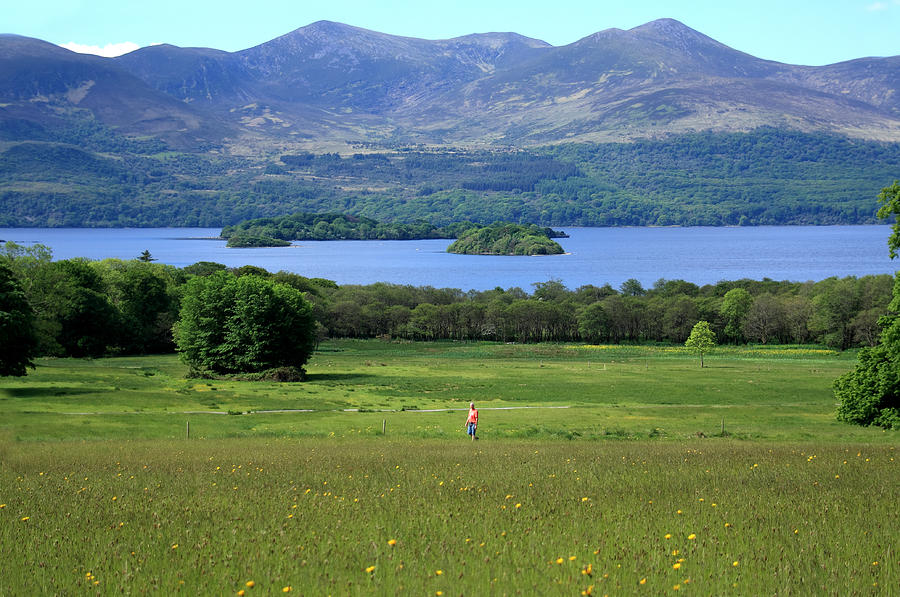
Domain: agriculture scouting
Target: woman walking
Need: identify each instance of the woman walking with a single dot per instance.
(472, 421)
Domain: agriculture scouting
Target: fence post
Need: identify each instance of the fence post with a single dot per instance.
(383, 425)
(188, 430)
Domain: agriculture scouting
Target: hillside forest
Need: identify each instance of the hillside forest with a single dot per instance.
(88, 175)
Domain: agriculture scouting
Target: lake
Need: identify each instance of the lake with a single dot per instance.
(594, 255)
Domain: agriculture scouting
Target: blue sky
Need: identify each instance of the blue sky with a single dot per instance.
(795, 31)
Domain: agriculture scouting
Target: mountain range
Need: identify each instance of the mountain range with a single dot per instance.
(329, 84)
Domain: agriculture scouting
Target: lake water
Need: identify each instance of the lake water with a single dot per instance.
(594, 255)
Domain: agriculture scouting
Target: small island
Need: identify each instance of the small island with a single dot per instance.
(499, 238)
(332, 226)
(503, 238)
(244, 240)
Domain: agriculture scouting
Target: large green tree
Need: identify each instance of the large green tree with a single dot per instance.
(17, 338)
(243, 325)
(870, 394)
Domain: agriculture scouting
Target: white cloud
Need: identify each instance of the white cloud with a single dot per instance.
(877, 6)
(109, 50)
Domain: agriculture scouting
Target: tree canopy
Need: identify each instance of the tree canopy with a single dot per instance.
(503, 238)
(17, 337)
(870, 394)
(701, 340)
(245, 324)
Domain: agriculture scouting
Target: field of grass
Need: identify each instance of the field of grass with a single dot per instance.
(781, 393)
(101, 492)
(431, 517)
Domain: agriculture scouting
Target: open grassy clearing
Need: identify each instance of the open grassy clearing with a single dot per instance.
(430, 517)
(781, 393)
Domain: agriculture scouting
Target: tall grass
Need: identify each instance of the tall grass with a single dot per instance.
(432, 517)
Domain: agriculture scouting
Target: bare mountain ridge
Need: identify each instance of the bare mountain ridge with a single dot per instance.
(335, 82)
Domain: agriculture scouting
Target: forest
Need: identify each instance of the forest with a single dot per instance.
(93, 308)
(308, 226)
(89, 176)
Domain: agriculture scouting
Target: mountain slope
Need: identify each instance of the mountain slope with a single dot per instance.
(334, 83)
(50, 87)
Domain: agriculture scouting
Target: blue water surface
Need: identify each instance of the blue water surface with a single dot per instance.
(593, 255)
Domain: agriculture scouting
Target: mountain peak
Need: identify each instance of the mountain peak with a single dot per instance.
(324, 27)
(665, 25)
(496, 40)
(675, 34)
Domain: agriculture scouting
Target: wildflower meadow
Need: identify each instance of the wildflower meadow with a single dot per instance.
(122, 476)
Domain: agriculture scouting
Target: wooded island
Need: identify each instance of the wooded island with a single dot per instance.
(499, 238)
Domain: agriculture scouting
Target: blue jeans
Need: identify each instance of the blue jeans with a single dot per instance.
(470, 428)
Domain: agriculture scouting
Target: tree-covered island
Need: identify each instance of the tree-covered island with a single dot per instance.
(500, 238)
(333, 226)
(245, 240)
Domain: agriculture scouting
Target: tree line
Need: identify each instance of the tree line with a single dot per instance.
(837, 312)
(87, 308)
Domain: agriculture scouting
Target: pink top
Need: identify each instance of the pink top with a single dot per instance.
(473, 416)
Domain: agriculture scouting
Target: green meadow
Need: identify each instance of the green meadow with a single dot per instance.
(355, 388)
(600, 470)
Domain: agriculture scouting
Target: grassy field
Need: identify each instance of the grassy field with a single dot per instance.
(428, 517)
(102, 493)
(781, 393)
